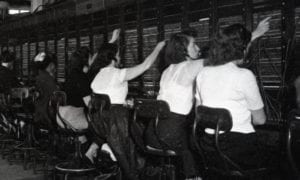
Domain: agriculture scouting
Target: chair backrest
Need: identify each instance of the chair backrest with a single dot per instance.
(293, 136)
(214, 118)
(99, 102)
(21, 93)
(17, 95)
(147, 110)
(218, 119)
(58, 98)
(151, 108)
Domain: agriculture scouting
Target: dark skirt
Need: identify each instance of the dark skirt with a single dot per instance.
(173, 133)
(243, 149)
(112, 127)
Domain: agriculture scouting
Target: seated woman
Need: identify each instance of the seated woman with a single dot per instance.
(222, 84)
(177, 89)
(77, 87)
(113, 81)
(46, 84)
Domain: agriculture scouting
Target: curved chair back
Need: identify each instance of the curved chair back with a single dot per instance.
(218, 119)
(17, 96)
(146, 110)
(98, 103)
(57, 99)
(293, 136)
(3, 102)
(21, 102)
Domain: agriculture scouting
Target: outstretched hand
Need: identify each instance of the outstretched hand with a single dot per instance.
(261, 29)
(161, 44)
(115, 35)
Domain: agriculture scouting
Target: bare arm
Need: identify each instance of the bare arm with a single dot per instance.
(258, 116)
(261, 29)
(115, 36)
(135, 71)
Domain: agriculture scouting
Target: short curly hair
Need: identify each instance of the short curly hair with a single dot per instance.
(228, 45)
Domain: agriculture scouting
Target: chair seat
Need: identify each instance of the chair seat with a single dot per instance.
(17, 106)
(246, 173)
(72, 132)
(72, 167)
(160, 152)
(24, 115)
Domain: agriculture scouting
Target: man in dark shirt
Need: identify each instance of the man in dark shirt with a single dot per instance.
(8, 78)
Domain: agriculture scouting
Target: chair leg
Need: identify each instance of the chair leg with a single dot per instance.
(66, 176)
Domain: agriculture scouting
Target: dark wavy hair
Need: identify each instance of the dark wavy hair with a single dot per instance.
(49, 58)
(106, 54)
(79, 58)
(176, 49)
(228, 45)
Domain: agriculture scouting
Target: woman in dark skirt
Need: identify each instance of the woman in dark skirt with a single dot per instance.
(177, 89)
(113, 81)
(223, 84)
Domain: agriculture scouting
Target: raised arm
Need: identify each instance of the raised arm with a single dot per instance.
(115, 36)
(135, 71)
(262, 27)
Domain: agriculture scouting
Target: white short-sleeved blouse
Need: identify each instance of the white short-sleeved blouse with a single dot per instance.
(110, 81)
(228, 86)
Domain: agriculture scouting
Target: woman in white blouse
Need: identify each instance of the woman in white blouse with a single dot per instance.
(113, 81)
(223, 84)
(177, 89)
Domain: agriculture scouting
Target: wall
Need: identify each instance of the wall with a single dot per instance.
(146, 22)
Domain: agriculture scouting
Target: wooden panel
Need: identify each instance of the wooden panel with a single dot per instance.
(152, 76)
(32, 53)
(171, 29)
(18, 62)
(130, 58)
(268, 49)
(50, 46)
(25, 61)
(11, 48)
(297, 22)
(227, 21)
(202, 28)
(61, 60)
(41, 45)
(71, 46)
(85, 41)
(98, 40)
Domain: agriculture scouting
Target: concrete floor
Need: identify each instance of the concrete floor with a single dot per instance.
(16, 172)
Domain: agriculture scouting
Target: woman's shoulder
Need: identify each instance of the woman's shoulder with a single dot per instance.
(245, 72)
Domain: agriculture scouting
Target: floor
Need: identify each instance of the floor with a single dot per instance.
(16, 172)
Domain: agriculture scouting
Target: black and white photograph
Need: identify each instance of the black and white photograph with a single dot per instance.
(149, 90)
